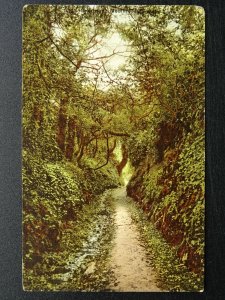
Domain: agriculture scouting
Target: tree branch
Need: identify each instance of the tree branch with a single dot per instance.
(42, 40)
(63, 54)
(42, 76)
(108, 154)
(119, 133)
(106, 56)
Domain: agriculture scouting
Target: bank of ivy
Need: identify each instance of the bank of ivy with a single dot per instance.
(172, 274)
(170, 189)
(54, 194)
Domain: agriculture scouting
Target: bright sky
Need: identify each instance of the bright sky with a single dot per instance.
(112, 43)
(117, 44)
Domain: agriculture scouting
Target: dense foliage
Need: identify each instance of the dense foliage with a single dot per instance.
(172, 272)
(169, 177)
(54, 95)
(85, 100)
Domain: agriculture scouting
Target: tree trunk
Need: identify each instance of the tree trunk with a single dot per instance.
(113, 147)
(124, 160)
(96, 147)
(81, 148)
(107, 155)
(70, 143)
(38, 114)
(62, 122)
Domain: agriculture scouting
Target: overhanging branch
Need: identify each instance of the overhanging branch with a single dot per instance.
(119, 133)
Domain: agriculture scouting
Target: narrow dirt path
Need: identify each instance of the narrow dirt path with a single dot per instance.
(128, 258)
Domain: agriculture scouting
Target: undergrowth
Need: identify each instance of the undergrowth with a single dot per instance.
(173, 275)
(85, 241)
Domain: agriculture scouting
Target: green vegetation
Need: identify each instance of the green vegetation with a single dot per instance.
(109, 91)
(54, 195)
(67, 266)
(172, 273)
(169, 151)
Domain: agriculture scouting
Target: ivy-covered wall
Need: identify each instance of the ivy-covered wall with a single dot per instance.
(171, 192)
(53, 195)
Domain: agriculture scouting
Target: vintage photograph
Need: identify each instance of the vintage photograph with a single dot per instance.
(113, 148)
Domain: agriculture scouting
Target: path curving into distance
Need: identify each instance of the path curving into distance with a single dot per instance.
(128, 258)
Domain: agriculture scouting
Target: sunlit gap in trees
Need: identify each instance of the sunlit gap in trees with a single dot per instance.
(127, 173)
(115, 52)
(127, 170)
(108, 57)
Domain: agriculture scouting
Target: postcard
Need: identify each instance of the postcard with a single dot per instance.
(113, 148)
